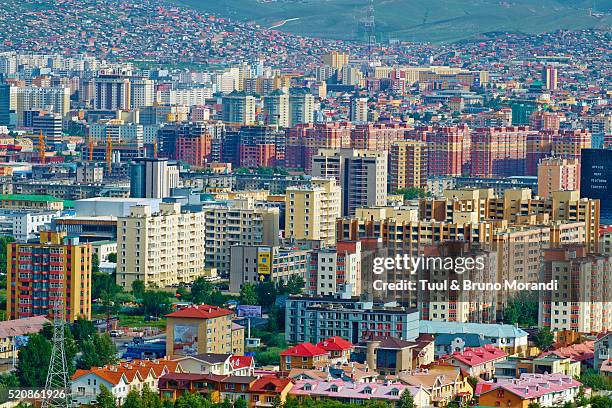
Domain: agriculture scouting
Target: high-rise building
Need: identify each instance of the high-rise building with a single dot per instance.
(448, 148)
(569, 143)
(237, 223)
(56, 267)
(335, 270)
(56, 100)
(160, 248)
(50, 125)
(499, 151)
(549, 77)
(301, 106)
(5, 104)
(276, 108)
(262, 263)
(118, 132)
(407, 165)
(581, 300)
(238, 109)
(336, 59)
(359, 110)
(152, 178)
(362, 175)
(112, 92)
(558, 174)
(596, 179)
(311, 212)
(194, 144)
(142, 92)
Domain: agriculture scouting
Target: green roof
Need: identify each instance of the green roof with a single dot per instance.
(29, 197)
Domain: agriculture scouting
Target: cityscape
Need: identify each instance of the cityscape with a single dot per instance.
(305, 204)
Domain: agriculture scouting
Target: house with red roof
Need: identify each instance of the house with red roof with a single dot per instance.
(338, 348)
(219, 364)
(304, 355)
(266, 389)
(198, 329)
(119, 379)
(547, 390)
(477, 361)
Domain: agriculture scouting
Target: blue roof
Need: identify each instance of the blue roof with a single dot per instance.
(484, 329)
(470, 339)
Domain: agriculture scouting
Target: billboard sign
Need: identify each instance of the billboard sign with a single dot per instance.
(248, 311)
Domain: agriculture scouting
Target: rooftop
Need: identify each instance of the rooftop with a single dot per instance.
(30, 197)
(201, 312)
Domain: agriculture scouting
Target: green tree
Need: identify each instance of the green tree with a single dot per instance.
(9, 380)
(97, 351)
(82, 329)
(95, 263)
(534, 405)
(105, 399)
(240, 403)
(522, 309)
(473, 381)
(34, 361)
(70, 346)
(412, 193)
(201, 290)
(277, 402)
(133, 400)
(192, 400)
(295, 284)
(276, 319)
(248, 294)
(155, 302)
(601, 401)
(406, 400)
(138, 289)
(112, 257)
(150, 399)
(266, 294)
(4, 241)
(590, 378)
(544, 338)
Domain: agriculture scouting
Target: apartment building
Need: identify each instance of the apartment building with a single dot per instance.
(199, 329)
(335, 270)
(160, 248)
(558, 174)
(407, 165)
(581, 300)
(316, 318)
(311, 211)
(56, 267)
(238, 222)
(256, 263)
(362, 174)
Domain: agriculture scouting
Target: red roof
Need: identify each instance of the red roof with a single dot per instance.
(304, 350)
(201, 312)
(473, 356)
(335, 344)
(238, 362)
(270, 383)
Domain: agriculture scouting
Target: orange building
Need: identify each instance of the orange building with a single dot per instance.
(194, 149)
(304, 355)
(267, 389)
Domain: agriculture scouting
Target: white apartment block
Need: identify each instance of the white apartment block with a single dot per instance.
(160, 248)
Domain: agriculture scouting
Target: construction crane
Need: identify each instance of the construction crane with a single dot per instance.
(109, 154)
(90, 147)
(41, 148)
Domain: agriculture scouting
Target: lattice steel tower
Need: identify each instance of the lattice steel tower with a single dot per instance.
(57, 376)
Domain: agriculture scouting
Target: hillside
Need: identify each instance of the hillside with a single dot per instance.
(416, 20)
